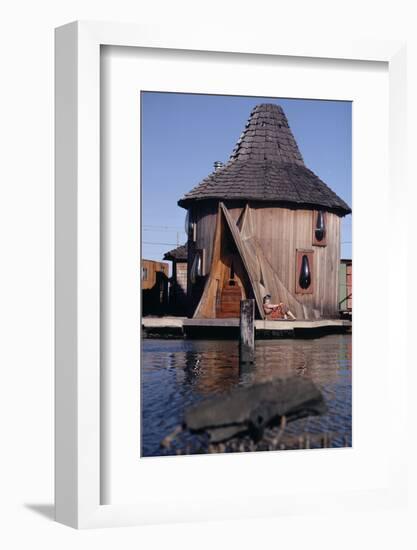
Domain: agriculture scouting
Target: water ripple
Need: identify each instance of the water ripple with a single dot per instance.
(178, 373)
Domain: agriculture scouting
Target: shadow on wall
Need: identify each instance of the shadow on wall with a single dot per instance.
(177, 299)
(155, 299)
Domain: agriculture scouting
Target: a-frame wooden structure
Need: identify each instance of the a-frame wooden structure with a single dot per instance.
(240, 270)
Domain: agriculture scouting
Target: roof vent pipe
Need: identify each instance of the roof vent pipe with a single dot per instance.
(217, 164)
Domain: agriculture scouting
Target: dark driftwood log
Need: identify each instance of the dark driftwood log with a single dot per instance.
(252, 409)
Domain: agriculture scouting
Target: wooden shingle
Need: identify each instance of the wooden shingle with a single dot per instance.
(266, 165)
(179, 254)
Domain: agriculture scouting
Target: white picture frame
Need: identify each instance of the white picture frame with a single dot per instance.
(78, 263)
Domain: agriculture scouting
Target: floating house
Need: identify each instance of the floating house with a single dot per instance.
(263, 223)
(154, 287)
(178, 281)
(345, 287)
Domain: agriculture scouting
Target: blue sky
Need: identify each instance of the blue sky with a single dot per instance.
(183, 134)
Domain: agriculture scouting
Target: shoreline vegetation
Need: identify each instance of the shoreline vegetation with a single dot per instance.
(273, 440)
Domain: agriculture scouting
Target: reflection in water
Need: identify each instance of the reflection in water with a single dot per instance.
(178, 373)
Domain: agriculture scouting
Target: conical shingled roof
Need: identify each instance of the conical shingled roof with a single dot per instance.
(266, 165)
(267, 136)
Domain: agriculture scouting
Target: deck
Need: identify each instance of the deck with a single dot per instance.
(180, 327)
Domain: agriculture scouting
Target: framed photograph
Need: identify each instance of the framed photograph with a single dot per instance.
(208, 361)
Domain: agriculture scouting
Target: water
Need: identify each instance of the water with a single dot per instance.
(178, 373)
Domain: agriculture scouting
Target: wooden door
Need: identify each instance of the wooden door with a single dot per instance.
(229, 301)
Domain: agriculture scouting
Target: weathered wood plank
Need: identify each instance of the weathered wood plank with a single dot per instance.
(247, 331)
(279, 233)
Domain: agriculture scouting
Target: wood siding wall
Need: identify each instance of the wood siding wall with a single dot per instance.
(280, 231)
(150, 269)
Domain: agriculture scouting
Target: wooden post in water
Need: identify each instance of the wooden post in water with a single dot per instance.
(247, 331)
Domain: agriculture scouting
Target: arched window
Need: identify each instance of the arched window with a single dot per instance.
(190, 227)
(304, 274)
(187, 223)
(304, 279)
(319, 228)
(197, 267)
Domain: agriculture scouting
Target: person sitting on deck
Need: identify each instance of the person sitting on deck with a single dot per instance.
(276, 311)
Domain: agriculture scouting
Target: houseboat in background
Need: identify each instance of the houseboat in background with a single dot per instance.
(177, 302)
(154, 287)
(345, 288)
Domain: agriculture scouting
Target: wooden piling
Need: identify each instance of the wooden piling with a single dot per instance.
(247, 331)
